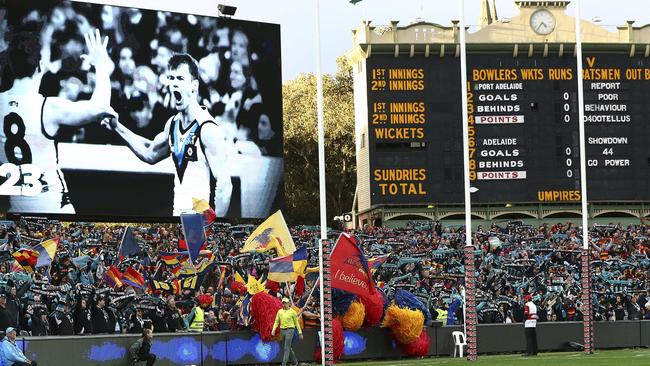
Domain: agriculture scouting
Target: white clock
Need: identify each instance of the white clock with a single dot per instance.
(542, 22)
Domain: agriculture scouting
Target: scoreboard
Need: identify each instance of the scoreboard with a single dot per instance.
(523, 128)
(414, 129)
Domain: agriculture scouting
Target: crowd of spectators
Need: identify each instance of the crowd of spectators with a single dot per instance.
(514, 259)
(72, 295)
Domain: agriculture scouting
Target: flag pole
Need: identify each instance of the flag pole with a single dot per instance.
(120, 247)
(581, 131)
(289, 292)
(321, 179)
(463, 80)
(316, 284)
(469, 327)
(587, 322)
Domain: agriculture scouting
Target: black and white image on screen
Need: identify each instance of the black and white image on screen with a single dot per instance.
(238, 88)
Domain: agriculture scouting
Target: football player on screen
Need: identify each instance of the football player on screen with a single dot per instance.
(195, 141)
(28, 146)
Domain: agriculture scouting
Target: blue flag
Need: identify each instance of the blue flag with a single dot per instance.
(128, 247)
(194, 233)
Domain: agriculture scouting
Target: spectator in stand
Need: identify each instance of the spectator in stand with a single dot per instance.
(211, 323)
(173, 316)
(100, 317)
(12, 355)
(13, 307)
(634, 308)
(311, 314)
(620, 308)
(83, 318)
(63, 320)
(137, 322)
(5, 318)
(40, 324)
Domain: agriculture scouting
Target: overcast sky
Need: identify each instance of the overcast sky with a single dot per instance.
(339, 17)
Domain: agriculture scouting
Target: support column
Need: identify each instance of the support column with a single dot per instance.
(470, 303)
(587, 307)
(327, 300)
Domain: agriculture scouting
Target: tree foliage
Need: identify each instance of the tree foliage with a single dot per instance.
(301, 145)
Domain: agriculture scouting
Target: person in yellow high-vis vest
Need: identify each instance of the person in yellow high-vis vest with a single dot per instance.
(194, 320)
(287, 319)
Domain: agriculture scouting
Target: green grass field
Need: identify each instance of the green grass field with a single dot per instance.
(627, 357)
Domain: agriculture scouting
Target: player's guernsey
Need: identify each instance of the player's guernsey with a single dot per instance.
(193, 178)
(25, 144)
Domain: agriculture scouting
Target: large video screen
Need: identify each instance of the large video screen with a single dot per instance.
(123, 112)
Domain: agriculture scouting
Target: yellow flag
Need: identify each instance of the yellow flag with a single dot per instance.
(239, 278)
(50, 247)
(273, 244)
(200, 205)
(273, 227)
(255, 286)
(204, 264)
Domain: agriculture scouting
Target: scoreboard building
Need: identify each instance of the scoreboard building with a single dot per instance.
(523, 119)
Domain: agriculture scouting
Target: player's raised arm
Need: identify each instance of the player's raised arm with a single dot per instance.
(149, 151)
(216, 151)
(62, 112)
(104, 66)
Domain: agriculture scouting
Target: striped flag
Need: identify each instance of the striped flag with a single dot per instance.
(281, 269)
(172, 259)
(289, 267)
(26, 258)
(300, 261)
(113, 277)
(133, 278)
(184, 268)
(376, 262)
(47, 251)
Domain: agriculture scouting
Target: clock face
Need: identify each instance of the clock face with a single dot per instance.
(542, 22)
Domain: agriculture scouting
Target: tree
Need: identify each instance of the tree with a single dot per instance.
(301, 145)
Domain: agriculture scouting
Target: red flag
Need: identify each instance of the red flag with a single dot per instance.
(203, 207)
(350, 270)
(133, 278)
(182, 246)
(113, 277)
(300, 286)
